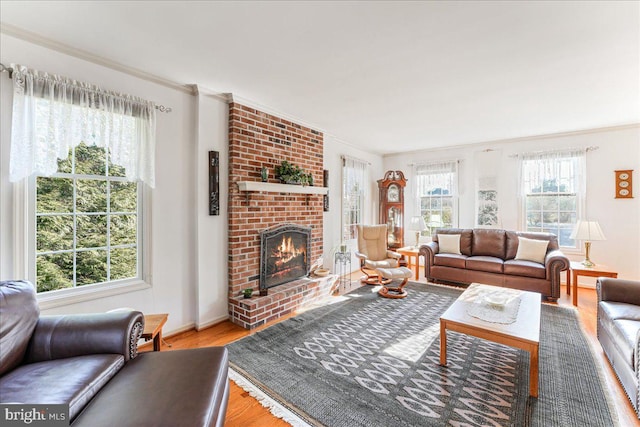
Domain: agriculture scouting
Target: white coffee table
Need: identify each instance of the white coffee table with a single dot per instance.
(524, 333)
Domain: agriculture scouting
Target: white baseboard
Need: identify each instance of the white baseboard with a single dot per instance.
(209, 323)
(185, 328)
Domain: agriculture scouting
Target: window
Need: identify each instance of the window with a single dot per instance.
(437, 196)
(552, 186)
(83, 153)
(353, 186)
(87, 222)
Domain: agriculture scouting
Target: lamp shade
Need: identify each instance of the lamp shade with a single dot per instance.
(587, 230)
(417, 223)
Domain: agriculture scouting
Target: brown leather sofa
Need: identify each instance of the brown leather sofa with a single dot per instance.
(488, 256)
(618, 331)
(91, 363)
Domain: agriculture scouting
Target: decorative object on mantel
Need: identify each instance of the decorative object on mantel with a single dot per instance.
(247, 292)
(214, 183)
(587, 231)
(264, 174)
(288, 173)
(624, 187)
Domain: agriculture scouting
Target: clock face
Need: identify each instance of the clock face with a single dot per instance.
(393, 194)
(624, 175)
(624, 184)
(624, 192)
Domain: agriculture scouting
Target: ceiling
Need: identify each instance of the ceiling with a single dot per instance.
(384, 76)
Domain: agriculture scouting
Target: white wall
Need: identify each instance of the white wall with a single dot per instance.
(175, 276)
(333, 149)
(619, 148)
(211, 235)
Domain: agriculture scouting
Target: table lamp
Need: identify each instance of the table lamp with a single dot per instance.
(418, 225)
(587, 231)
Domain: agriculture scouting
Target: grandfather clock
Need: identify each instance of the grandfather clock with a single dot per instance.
(391, 189)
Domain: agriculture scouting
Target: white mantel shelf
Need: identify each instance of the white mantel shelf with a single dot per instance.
(280, 188)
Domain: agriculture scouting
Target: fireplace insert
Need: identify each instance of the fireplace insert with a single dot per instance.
(285, 253)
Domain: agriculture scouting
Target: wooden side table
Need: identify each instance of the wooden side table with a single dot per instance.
(577, 269)
(411, 252)
(153, 324)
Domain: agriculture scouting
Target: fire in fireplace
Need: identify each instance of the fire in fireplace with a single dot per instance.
(285, 253)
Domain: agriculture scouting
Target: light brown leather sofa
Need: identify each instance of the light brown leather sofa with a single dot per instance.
(90, 363)
(488, 256)
(618, 330)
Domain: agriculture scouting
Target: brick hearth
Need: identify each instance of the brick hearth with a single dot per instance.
(281, 300)
(259, 139)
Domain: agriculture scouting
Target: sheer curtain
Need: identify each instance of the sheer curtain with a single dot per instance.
(432, 177)
(52, 114)
(566, 168)
(353, 191)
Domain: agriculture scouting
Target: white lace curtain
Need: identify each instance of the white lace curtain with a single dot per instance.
(560, 169)
(52, 114)
(437, 178)
(354, 174)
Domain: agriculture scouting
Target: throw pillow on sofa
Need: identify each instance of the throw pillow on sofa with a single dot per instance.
(531, 250)
(449, 244)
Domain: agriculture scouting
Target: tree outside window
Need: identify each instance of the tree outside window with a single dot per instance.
(87, 222)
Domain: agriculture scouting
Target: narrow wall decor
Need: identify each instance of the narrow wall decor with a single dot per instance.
(214, 183)
(325, 183)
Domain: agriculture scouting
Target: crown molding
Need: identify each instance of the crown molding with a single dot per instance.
(252, 104)
(521, 139)
(210, 93)
(34, 38)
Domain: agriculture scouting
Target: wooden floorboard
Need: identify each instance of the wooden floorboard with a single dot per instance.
(245, 411)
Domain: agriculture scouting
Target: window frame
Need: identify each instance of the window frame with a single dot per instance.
(25, 254)
(577, 159)
(453, 194)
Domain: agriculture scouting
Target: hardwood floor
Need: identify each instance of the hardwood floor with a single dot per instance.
(245, 411)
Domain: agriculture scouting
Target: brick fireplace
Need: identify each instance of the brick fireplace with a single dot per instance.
(258, 139)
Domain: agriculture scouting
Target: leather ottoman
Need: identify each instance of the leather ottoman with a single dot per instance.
(172, 388)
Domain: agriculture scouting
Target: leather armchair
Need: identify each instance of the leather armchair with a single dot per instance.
(61, 336)
(373, 253)
(63, 358)
(618, 329)
(90, 362)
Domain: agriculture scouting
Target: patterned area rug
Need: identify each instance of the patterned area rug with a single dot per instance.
(371, 361)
